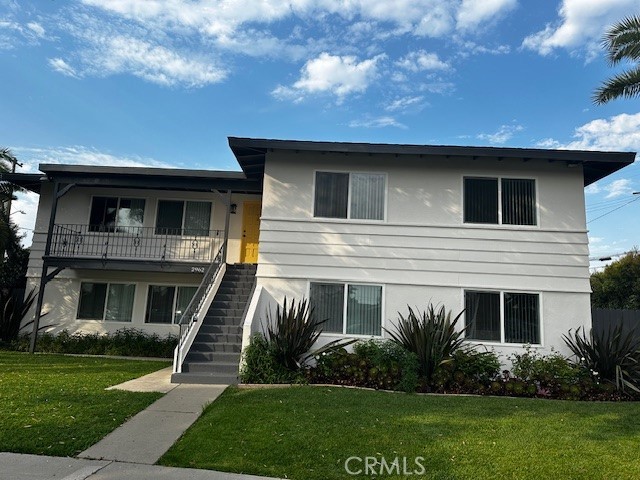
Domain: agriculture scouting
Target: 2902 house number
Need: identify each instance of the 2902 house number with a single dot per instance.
(197, 269)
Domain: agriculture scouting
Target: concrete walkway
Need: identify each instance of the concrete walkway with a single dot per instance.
(16, 466)
(130, 451)
(148, 435)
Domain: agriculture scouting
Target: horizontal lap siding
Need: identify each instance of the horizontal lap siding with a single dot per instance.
(420, 255)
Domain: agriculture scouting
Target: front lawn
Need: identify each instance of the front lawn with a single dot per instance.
(307, 433)
(57, 405)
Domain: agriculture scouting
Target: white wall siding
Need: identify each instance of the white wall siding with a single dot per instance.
(423, 252)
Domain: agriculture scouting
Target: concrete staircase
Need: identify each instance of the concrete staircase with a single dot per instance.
(214, 357)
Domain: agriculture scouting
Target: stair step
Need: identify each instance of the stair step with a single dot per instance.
(212, 368)
(217, 338)
(208, 347)
(235, 304)
(223, 321)
(204, 378)
(213, 357)
(221, 329)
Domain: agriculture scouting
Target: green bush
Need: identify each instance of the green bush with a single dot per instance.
(127, 342)
(380, 364)
(553, 375)
(469, 371)
(261, 365)
(432, 335)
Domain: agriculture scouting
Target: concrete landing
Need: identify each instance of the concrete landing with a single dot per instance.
(148, 435)
(159, 381)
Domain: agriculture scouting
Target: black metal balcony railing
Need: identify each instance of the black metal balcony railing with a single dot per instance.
(142, 243)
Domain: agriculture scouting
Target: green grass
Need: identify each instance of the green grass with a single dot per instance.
(307, 433)
(57, 405)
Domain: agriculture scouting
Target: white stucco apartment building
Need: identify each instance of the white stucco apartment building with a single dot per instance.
(362, 230)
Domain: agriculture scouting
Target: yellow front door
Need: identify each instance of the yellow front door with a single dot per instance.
(250, 232)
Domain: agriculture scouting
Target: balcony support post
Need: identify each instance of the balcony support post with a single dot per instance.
(58, 192)
(226, 225)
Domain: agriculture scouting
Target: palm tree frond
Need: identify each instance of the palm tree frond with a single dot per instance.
(625, 84)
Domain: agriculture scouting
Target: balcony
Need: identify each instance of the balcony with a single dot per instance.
(140, 248)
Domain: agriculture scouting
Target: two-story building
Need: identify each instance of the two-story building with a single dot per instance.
(362, 230)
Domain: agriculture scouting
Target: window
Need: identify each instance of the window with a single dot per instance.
(518, 322)
(350, 195)
(112, 302)
(176, 217)
(349, 309)
(165, 304)
(508, 201)
(113, 214)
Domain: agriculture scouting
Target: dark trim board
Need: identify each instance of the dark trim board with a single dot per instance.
(126, 265)
(251, 154)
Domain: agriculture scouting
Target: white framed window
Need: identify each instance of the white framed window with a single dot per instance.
(166, 303)
(358, 196)
(179, 217)
(504, 201)
(116, 214)
(350, 309)
(111, 302)
(505, 317)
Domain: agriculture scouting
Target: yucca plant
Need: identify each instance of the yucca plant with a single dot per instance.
(611, 354)
(432, 335)
(12, 313)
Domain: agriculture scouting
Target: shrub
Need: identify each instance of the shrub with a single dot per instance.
(128, 342)
(12, 313)
(611, 355)
(469, 371)
(260, 364)
(379, 364)
(431, 335)
(553, 375)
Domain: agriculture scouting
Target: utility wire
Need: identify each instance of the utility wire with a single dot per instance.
(613, 210)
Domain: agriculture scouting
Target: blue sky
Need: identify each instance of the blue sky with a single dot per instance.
(163, 83)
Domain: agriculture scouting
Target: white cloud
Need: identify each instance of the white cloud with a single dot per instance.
(77, 155)
(36, 29)
(214, 18)
(619, 188)
(421, 60)
(27, 203)
(80, 155)
(334, 74)
(404, 103)
(378, 122)
(592, 189)
(620, 132)
(502, 135)
(580, 26)
(474, 12)
(60, 66)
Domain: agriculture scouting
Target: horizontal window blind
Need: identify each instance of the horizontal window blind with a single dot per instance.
(197, 218)
(169, 217)
(518, 202)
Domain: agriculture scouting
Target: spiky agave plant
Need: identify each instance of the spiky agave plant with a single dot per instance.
(432, 335)
(292, 332)
(613, 354)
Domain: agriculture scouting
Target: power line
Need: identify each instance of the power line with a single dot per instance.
(617, 208)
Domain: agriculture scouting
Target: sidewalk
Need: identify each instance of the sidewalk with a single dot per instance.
(16, 466)
(148, 435)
